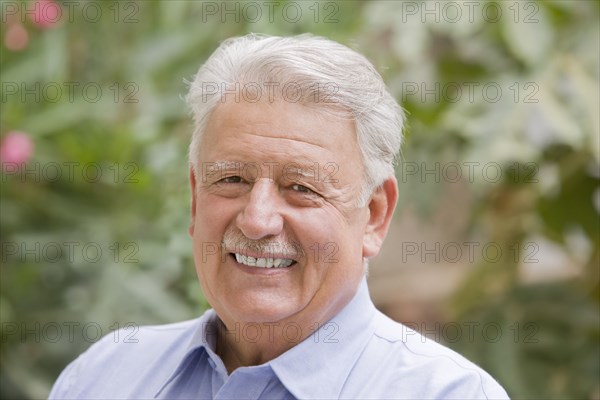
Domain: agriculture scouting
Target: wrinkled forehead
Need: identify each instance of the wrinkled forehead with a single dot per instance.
(317, 94)
(291, 122)
(281, 133)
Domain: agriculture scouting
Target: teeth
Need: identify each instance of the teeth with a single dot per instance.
(263, 262)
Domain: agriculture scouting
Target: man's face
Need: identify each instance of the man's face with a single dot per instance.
(278, 182)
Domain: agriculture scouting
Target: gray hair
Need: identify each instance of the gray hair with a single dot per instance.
(323, 74)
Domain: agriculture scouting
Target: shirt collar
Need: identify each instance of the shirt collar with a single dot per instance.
(203, 337)
(327, 356)
(319, 366)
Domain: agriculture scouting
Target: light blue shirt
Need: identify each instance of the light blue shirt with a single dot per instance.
(359, 354)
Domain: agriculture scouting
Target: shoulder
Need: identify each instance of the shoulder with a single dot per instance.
(145, 342)
(126, 359)
(405, 364)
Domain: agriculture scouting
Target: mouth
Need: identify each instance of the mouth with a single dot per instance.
(263, 262)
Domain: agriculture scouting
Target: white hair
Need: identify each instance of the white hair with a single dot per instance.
(323, 74)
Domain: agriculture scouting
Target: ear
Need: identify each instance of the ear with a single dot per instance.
(381, 209)
(193, 189)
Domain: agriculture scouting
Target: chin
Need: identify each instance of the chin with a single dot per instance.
(260, 311)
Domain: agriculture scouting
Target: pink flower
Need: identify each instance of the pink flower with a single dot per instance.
(47, 13)
(16, 147)
(16, 37)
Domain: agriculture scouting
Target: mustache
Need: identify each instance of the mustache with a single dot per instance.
(236, 242)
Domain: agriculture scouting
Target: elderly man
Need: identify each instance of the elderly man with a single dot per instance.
(293, 190)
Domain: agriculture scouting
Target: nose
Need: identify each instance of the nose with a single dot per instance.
(260, 216)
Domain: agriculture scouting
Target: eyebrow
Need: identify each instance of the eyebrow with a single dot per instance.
(224, 164)
(302, 169)
(214, 167)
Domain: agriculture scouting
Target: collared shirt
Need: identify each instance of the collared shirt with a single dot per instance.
(359, 354)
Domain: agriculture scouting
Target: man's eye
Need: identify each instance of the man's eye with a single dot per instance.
(301, 189)
(231, 179)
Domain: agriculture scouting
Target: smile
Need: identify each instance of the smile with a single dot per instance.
(263, 262)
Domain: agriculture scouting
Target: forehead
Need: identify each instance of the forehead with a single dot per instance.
(279, 127)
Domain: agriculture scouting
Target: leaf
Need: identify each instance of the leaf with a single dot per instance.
(527, 31)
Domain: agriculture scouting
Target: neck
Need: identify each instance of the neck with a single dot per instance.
(244, 344)
(247, 344)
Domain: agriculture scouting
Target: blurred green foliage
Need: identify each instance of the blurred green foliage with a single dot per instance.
(543, 55)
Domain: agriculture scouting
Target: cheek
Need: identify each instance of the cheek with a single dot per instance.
(210, 223)
(331, 242)
(212, 216)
